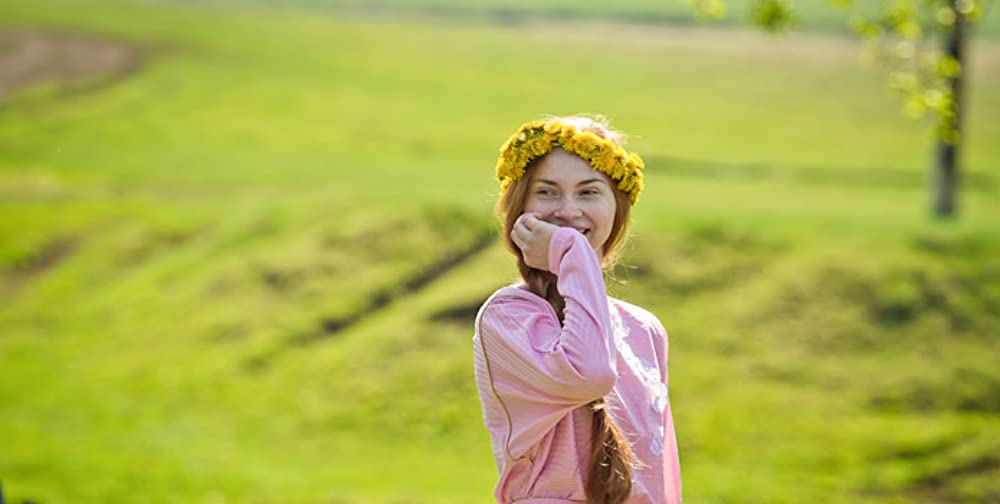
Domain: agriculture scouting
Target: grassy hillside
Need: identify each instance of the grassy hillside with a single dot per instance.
(247, 271)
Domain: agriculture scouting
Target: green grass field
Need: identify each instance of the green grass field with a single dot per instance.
(246, 272)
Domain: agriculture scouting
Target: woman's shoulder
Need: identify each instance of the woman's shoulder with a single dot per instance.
(639, 315)
(513, 299)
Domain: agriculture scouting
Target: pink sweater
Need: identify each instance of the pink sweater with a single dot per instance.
(536, 377)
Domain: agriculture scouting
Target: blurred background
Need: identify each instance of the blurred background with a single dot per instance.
(242, 244)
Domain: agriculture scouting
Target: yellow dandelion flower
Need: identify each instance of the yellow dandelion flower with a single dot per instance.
(588, 138)
(608, 165)
(637, 160)
(553, 127)
(568, 144)
(537, 147)
(536, 124)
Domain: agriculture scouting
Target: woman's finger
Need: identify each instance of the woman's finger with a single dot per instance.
(526, 220)
(520, 230)
(516, 237)
(540, 224)
(519, 224)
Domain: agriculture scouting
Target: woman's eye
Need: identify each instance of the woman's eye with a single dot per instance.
(591, 192)
(543, 192)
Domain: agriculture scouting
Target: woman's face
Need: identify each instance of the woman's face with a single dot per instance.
(564, 190)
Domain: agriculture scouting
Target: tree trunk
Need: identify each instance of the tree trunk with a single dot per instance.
(946, 161)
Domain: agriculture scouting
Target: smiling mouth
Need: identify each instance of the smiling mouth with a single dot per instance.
(584, 231)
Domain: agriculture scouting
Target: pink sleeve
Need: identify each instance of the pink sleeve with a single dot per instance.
(661, 345)
(540, 370)
(671, 466)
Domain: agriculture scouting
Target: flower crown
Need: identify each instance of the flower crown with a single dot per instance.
(537, 138)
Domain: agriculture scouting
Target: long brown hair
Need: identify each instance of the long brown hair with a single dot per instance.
(609, 475)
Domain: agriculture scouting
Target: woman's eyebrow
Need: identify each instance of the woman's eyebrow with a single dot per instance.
(585, 182)
(589, 181)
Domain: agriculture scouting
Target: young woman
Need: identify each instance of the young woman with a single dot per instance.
(573, 383)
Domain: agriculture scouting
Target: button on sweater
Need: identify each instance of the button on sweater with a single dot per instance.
(536, 378)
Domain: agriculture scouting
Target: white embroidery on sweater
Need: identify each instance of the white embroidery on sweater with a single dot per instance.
(647, 372)
(656, 446)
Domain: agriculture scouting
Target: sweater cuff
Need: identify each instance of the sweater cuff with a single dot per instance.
(560, 243)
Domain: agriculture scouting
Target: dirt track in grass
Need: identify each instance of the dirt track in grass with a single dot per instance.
(72, 62)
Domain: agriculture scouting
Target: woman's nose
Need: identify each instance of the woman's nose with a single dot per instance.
(567, 210)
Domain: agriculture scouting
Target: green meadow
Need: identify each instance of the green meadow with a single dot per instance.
(248, 270)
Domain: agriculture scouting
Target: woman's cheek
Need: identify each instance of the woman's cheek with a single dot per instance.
(542, 208)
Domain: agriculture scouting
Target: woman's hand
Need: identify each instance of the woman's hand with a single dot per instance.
(532, 235)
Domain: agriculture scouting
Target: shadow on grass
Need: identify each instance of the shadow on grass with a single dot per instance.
(327, 327)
